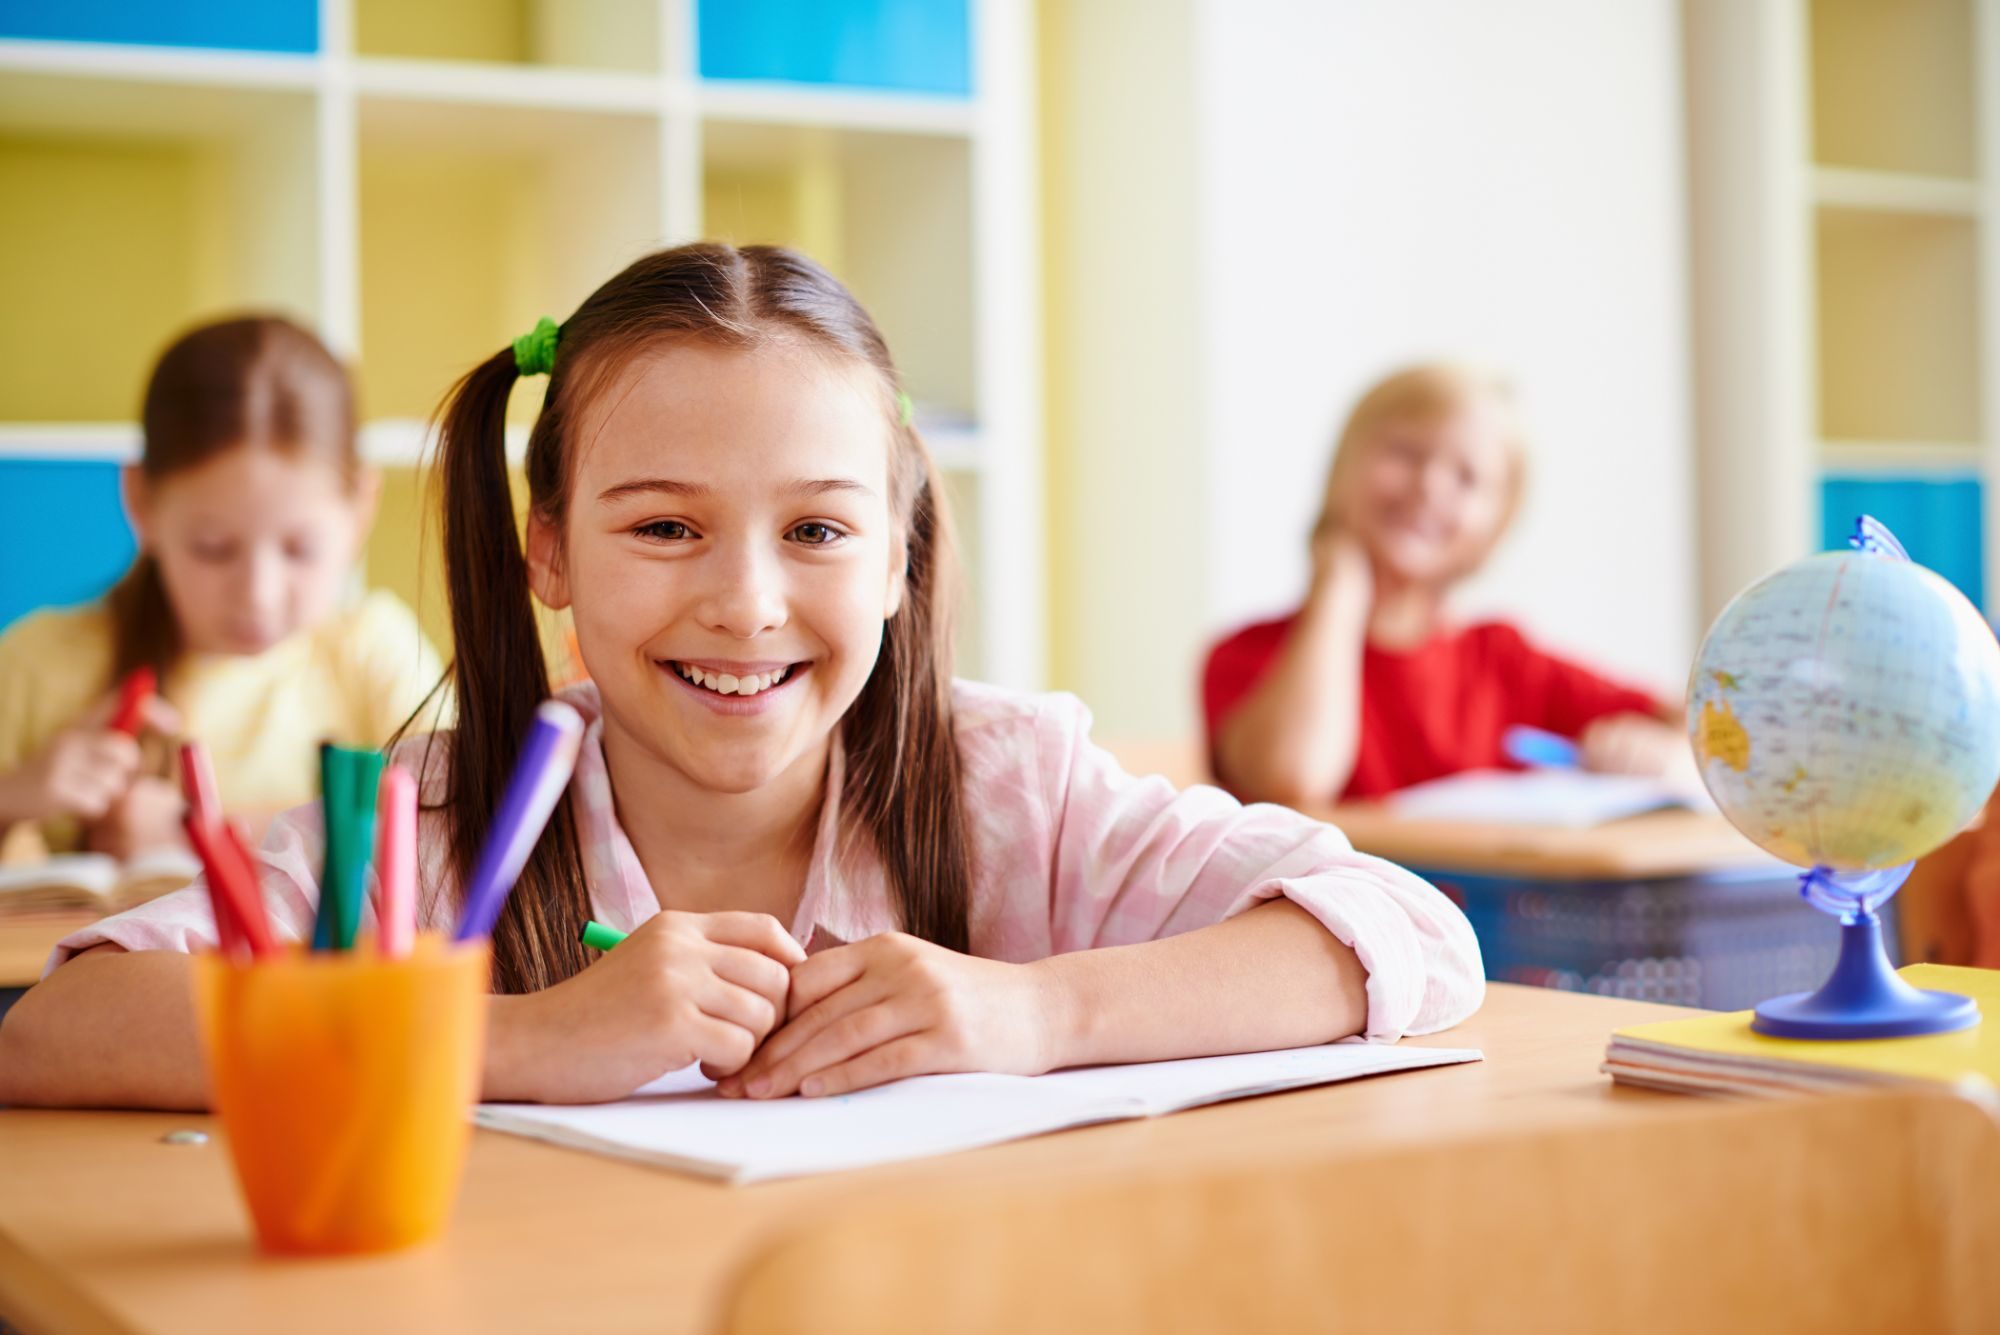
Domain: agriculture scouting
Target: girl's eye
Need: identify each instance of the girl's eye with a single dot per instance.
(813, 534)
(213, 554)
(302, 553)
(664, 530)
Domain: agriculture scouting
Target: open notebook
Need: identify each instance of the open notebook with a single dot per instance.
(1565, 797)
(679, 1122)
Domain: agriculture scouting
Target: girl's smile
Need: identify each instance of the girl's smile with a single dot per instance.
(737, 689)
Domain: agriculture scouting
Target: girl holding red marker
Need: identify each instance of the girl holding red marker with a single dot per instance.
(238, 622)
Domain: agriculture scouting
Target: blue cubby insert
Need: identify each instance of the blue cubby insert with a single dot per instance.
(63, 535)
(917, 46)
(235, 25)
(1939, 518)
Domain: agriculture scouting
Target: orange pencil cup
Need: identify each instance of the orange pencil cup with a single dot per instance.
(345, 1082)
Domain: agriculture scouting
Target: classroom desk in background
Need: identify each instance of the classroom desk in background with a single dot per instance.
(1672, 906)
(1460, 1198)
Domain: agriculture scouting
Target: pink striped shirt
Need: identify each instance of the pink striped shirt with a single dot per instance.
(1070, 853)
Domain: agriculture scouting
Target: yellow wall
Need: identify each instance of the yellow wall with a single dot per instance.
(458, 231)
(1124, 464)
(443, 29)
(91, 227)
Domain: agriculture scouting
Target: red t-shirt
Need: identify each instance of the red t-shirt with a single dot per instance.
(1435, 710)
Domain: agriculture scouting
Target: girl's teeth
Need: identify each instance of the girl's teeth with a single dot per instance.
(723, 683)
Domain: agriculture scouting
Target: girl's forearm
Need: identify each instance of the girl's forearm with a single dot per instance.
(1272, 977)
(110, 1029)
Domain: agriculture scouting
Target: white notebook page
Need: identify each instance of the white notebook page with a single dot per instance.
(680, 1122)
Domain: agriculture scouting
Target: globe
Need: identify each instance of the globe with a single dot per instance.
(1845, 712)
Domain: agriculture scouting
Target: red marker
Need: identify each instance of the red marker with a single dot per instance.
(232, 887)
(133, 693)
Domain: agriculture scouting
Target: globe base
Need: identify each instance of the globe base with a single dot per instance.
(1864, 998)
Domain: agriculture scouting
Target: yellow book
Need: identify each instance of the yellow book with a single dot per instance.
(1721, 1054)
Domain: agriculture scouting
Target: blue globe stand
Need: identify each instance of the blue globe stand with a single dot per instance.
(1863, 998)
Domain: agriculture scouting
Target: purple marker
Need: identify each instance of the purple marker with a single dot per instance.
(548, 757)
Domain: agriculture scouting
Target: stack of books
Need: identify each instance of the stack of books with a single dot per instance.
(1720, 1054)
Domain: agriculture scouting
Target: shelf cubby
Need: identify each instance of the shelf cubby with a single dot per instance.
(1899, 328)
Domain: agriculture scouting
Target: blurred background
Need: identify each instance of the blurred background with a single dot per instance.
(1136, 257)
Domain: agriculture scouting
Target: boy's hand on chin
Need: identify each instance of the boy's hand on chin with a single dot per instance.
(895, 1006)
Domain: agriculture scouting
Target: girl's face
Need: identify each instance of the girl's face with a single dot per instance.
(1428, 495)
(253, 545)
(729, 554)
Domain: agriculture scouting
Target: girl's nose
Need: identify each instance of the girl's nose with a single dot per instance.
(746, 595)
(263, 583)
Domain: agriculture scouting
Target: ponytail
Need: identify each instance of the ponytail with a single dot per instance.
(500, 676)
(143, 629)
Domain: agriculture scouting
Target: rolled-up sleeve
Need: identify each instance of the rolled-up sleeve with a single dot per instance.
(185, 921)
(1136, 860)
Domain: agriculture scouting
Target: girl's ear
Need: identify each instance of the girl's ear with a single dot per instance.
(137, 494)
(545, 572)
(899, 575)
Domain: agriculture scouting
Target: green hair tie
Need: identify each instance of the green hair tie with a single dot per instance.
(535, 351)
(906, 411)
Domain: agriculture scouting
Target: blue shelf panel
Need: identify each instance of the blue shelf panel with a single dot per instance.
(1939, 518)
(63, 535)
(916, 46)
(233, 25)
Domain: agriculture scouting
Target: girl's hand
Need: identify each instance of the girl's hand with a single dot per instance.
(895, 1006)
(83, 770)
(1634, 744)
(683, 988)
(146, 817)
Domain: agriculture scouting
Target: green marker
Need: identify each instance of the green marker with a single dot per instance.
(599, 937)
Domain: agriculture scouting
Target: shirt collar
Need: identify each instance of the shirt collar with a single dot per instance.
(843, 899)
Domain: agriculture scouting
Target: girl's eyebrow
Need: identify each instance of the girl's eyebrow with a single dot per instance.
(651, 486)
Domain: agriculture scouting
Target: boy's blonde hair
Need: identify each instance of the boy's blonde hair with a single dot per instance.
(1424, 393)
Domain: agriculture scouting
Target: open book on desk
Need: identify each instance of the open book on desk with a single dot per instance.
(680, 1122)
(99, 882)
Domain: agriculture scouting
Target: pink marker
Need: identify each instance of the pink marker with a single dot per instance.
(396, 863)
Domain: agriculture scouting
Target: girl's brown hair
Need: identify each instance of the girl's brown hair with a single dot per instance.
(254, 380)
(902, 784)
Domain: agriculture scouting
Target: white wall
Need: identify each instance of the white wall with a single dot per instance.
(1393, 179)
(1256, 208)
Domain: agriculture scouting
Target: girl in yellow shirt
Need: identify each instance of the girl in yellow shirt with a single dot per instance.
(250, 504)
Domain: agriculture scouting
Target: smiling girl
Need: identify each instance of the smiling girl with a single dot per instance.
(250, 504)
(726, 493)
(1369, 687)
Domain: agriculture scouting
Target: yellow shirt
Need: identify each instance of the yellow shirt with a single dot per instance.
(352, 679)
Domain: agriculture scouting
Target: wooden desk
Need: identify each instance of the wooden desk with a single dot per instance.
(25, 946)
(1659, 844)
(103, 1228)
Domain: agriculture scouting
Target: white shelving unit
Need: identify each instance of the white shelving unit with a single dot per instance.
(1845, 173)
(421, 190)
